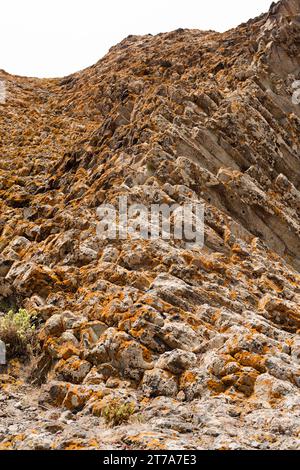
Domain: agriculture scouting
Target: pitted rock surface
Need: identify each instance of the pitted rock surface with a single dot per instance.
(204, 341)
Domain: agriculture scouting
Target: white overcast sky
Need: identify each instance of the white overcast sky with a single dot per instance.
(49, 38)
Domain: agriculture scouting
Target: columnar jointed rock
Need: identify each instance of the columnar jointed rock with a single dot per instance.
(202, 340)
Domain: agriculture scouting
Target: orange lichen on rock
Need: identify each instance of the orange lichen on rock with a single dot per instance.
(204, 339)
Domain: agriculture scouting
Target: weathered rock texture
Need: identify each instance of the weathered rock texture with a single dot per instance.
(205, 342)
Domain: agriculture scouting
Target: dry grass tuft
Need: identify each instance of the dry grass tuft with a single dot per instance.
(117, 412)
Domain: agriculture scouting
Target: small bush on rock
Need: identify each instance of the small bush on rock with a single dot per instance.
(117, 413)
(18, 333)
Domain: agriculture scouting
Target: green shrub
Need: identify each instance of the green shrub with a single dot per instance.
(18, 333)
(117, 412)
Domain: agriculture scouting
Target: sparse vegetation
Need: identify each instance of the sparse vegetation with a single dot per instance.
(117, 412)
(17, 331)
(150, 167)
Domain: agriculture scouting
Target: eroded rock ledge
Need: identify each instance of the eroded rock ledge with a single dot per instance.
(204, 341)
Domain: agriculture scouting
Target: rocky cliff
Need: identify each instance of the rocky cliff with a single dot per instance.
(203, 341)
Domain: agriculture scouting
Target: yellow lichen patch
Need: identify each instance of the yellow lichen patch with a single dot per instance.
(94, 443)
(248, 359)
(8, 445)
(209, 263)
(75, 445)
(233, 295)
(216, 386)
(188, 377)
(271, 285)
(76, 398)
(246, 381)
(66, 350)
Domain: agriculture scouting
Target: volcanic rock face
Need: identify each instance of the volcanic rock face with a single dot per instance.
(205, 341)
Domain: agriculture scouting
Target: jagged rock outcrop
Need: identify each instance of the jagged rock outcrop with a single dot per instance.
(203, 340)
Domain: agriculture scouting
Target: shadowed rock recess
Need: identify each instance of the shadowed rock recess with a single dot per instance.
(204, 342)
